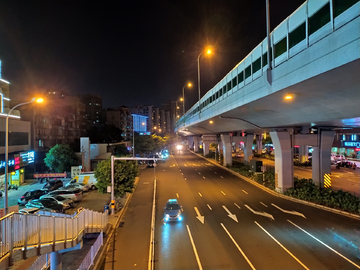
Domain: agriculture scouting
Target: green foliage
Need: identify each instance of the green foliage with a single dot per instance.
(60, 158)
(305, 189)
(210, 155)
(213, 145)
(121, 150)
(200, 151)
(124, 176)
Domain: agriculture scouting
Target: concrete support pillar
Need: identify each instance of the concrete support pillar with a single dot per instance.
(227, 151)
(196, 143)
(303, 153)
(284, 165)
(248, 142)
(190, 142)
(206, 147)
(259, 138)
(321, 157)
(55, 260)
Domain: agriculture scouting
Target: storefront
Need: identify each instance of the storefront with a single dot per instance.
(349, 149)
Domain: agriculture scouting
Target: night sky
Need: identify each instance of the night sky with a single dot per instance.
(128, 52)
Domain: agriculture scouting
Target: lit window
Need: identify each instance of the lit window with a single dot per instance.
(343, 137)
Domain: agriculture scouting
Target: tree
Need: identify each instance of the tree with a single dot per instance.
(60, 158)
(121, 150)
(124, 176)
(144, 144)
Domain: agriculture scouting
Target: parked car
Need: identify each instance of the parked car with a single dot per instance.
(151, 163)
(81, 186)
(87, 178)
(74, 194)
(53, 185)
(31, 195)
(45, 203)
(34, 210)
(65, 202)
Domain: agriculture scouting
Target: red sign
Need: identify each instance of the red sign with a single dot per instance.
(357, 149)
(37, 175)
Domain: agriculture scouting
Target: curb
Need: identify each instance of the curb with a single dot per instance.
(105, 248)
(274, 193)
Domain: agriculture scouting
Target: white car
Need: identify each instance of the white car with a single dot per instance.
(65, 202)
(74, 194)
(81, 186)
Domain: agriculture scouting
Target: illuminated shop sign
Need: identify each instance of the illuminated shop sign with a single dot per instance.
(20, 160)
(352, 144)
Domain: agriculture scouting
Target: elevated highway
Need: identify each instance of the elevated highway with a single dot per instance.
(314, 62)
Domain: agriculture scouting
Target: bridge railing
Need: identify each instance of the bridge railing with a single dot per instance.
(26, 231)
(311, 22)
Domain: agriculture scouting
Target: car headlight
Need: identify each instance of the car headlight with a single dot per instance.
(179, 217)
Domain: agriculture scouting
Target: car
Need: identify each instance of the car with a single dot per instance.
(85, 178)
(31, 195)
(173, 211)
(53, 185)
(65, 202)
(74, 194)
(45, 203)
(81, 186)
(151, 164)
(34, 210)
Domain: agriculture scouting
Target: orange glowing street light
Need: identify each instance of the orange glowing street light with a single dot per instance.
(183, 98)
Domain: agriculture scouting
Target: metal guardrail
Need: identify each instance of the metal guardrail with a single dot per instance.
(25, 235)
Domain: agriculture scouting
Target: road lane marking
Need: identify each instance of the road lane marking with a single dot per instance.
(303, 265)
(325, 244)
(237, 206)
(199, 173)
(182, 174)
(204, 177)
(194, 248)
(221, 176)
(185, 178)
(223, 192)
(236, 244)
(263, 204)
(215, 172)
(199, 216)
(200, 194)
(244, 191)
(289, 212)
(259, 213)
(231, 215)
(209, 207)
(177, 195)
(195, 169)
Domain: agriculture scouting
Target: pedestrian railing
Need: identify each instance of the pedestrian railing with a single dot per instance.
(89, 259)
(25, 235)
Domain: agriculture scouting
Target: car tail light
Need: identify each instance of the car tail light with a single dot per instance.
(22, 197)
(77, 194)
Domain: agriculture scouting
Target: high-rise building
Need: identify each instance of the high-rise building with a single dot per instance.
(122, 119)
(93, 109)
(146, 111)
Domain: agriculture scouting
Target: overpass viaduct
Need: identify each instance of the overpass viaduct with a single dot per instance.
(315, 63)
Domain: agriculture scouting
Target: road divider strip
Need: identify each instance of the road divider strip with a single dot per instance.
(284, 248)
(238, 247)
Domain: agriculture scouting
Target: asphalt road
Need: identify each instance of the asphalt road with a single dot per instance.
(243, 226)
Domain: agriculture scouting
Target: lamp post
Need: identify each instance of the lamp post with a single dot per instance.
(39, 100)
(198, 60)
(183, 97)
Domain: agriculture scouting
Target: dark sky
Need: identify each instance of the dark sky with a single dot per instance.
(128, 52)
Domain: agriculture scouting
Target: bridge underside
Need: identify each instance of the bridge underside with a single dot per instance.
(330, 99)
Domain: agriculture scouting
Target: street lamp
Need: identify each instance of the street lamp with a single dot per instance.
(183, 97)
(208, 51)
(38, 100)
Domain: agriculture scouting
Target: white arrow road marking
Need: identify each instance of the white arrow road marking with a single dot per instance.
(237, 206)
(198, 216)
(263, 204)
(200, 194)
(223, 192)
(245, 192)
(273, 238)
(209, 207)
(230, 214)
(289, 212)
(260, 213)
(204, 177)
(309, 234)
